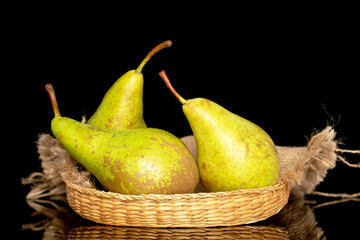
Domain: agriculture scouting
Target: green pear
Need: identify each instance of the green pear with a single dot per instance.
(232, 152)
(122, 105)
(132, 161)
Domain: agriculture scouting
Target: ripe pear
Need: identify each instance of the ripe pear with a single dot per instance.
(232, 152)
(122, 105)
(132, 161)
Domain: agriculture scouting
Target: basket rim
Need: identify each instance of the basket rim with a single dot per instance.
(197, 195)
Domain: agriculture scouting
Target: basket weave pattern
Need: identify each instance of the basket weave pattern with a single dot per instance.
(236, 232)
(178, 210)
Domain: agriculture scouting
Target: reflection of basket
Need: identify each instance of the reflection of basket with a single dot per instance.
(178, 210)
(236, 232)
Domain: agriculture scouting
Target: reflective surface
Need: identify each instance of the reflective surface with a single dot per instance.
(64, 224)
(54, 220)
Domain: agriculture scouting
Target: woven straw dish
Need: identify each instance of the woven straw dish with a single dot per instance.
(178, 210)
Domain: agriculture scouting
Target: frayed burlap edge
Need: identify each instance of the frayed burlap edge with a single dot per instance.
(58, 167)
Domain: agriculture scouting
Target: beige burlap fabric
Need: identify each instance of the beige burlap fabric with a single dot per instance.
(303, 168)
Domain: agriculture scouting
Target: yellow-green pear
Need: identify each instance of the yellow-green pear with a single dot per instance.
(122, 105)
(132, 161)
(232, 152)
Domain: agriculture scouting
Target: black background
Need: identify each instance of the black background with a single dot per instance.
(291, 72)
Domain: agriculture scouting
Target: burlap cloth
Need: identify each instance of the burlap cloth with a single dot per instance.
(302, 168)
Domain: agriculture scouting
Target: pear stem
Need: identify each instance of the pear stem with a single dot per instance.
(159, 47)
(50, 90)
(167, 82)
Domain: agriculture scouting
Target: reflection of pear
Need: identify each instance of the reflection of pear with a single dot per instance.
(134, 161)
(122, 106)
(232, 152)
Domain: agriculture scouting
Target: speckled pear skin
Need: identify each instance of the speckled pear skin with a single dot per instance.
(135, 161)
(232, 152)
(122, 105)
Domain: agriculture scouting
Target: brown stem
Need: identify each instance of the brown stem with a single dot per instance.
(50, 90)
(167, 82)
(159, 47)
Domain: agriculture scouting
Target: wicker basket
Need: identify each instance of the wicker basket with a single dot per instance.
(178, 210)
